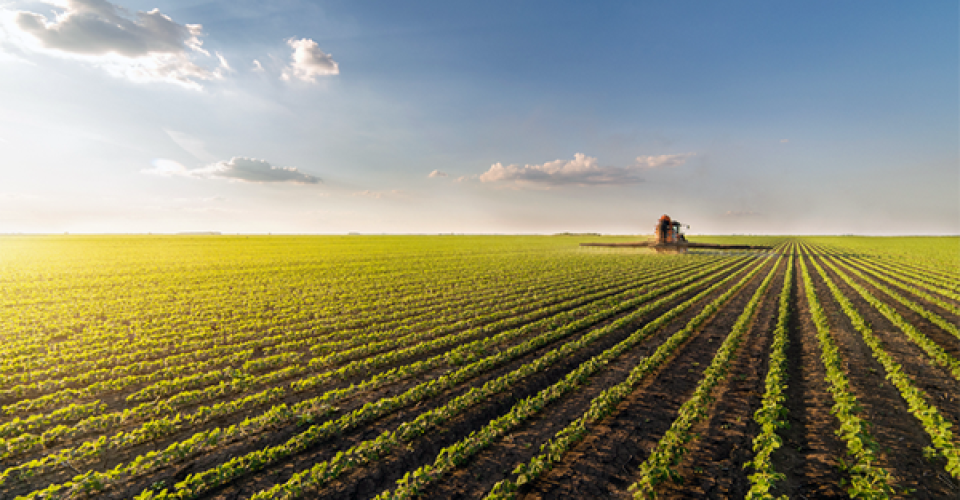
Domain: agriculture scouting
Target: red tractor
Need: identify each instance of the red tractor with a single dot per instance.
(668, 232)
(669, 239)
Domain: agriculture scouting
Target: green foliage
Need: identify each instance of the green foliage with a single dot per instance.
(271, 332)
(604, 404)
(866, 479)
(772, 414)
(661, 464)
(930, 418)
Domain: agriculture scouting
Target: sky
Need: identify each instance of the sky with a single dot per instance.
(291, 116)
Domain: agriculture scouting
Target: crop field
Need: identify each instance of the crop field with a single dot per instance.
(340, 367)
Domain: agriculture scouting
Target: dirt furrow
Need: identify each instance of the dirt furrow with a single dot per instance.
(496, 463)
(915, 279)
(713, 466)
(944, 338)
(270, 437)
(374, 478)
(606, 462)
(425, 448)
(810, 452)
(899, 434)
(116, 400)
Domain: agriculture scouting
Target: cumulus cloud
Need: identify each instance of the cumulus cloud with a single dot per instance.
(437, 173)
(309, 62)
(253, 170)
(141, 46)
(237, 168)
(581, 171)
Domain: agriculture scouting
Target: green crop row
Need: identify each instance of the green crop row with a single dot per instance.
(912, 284)
(661, 464)
(932, 317)
(206, 345)
(202, 441)
(604, 404)
(373, 449)
(930, 347)
(933, 422)
(178, 326)
(772, 414)
(866, 479)
(240, 381)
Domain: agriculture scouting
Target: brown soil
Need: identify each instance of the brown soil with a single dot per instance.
(497, 462)
(900, 436)
(811, 447)
(275, 436)
(372, 479)
(270, 437)
(713, 466)
(606, 462)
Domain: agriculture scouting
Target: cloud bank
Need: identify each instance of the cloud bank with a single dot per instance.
(237, 168)
(309, 62)
(581, 171)
(143, 46)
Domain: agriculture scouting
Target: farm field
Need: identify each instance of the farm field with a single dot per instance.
(222, 367)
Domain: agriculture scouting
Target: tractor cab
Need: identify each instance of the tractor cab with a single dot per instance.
(668, 231)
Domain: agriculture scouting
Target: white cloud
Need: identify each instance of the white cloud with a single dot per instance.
(253, 170)
(145, 46)
(437, 173)
(224, 67)
(257, 67)
(662, 161)
(309, 62)
(237, 168)
(581, 171)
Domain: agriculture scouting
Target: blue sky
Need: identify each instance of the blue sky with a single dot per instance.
(496, 117)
